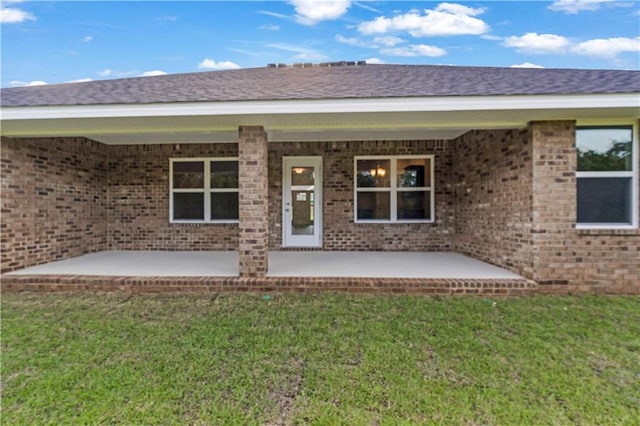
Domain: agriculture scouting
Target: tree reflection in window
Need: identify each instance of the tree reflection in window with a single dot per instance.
(602, 150)
(224, 174)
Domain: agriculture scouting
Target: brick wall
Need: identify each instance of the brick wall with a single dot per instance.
(554, 199)
(502, 196)
(515, 207)
(138, 208)
(597, 261)
(52, 201)
(253, 201)
(565, 258)
(340, 232)
(492, 197)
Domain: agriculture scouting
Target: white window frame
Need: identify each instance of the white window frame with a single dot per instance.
(393, 189)
(207, 190)
(633, 174)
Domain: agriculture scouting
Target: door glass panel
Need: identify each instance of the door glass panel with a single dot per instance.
(302, 202)
(302, 217)
(302, 176)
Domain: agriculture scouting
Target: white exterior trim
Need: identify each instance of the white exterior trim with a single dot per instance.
(207, 190)
(324, 106)
(393, 188)
(289, 240)
(634, 174)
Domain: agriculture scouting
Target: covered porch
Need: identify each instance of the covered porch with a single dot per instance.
(161, 271)
(222, 217)
(432, 265)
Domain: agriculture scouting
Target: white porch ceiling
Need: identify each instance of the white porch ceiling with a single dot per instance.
(300, 121)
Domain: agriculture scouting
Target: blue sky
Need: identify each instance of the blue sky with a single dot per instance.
(56, 42)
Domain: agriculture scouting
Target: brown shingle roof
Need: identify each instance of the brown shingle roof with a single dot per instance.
(362, 81)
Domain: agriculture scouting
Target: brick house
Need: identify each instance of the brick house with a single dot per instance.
(533, 170)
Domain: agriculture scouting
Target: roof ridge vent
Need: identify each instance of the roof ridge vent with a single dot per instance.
(322, 64)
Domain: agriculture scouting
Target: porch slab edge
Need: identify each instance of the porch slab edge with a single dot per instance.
(57, 283)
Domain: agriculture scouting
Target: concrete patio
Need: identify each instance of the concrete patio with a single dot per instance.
(413, 265)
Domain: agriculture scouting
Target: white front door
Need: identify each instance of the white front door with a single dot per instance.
(302, 202)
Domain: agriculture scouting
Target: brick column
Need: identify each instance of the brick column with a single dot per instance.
(554, 200)
(253, 201)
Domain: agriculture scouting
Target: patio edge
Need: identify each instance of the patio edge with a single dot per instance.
(56, 283)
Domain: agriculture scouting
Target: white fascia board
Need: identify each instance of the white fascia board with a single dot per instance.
(328, 106)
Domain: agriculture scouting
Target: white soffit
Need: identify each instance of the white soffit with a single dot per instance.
(311, 120)
(328, 106)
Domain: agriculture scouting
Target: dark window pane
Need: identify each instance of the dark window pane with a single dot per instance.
(604, 149)
(188, 206)
(224, 174)
(604, 200)
(373, 173)
(414, 172)
(374, 205)
(188, 174)
(414, 205)
(224, 206)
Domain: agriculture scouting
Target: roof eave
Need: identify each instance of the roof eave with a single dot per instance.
(328, 106)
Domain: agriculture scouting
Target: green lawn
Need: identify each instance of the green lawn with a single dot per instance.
(319, 359)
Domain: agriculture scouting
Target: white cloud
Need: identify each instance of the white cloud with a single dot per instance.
(111, 73)
(526, 65)
(490, 37)
(210, 64)
(108, 72)
(87, 39)
(576, 6)
(388, 40)
(302, 53)
(245, 51)
(414, 50)
(81, 80)
(152, 73)
(18, 83)
(352, 41)
(374, 61)
(366, 7)
(11, 15)
(269, 27)
(273, 14)
(607, 47)
(539, 43)
(446, 19)
(310, 12)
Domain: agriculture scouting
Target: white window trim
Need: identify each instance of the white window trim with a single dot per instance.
(393, 189)
(207, 190)
(634, 174)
